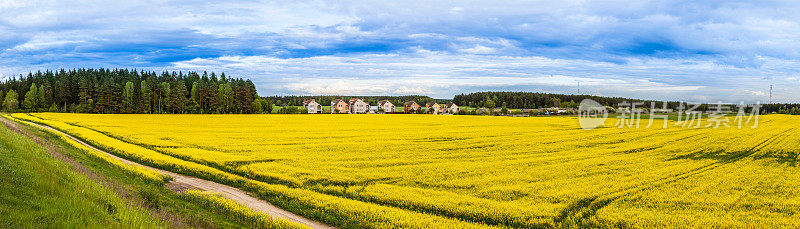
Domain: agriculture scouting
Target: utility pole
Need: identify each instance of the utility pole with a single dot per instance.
(579, 87)
(770, 94)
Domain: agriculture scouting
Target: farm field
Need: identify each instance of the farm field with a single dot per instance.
(473, 171)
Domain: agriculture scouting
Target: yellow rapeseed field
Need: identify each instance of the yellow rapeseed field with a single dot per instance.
(379, 171)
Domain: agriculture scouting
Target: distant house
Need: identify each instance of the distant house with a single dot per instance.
(340, 106)
(433, 107)
(450, 108)
(657, 110)
(566, 110)
(386, 106)
(312, 106)
(550, 111)
(628, 110)
(482, 110)
(557, 110)
(411, 106)
(358, 106)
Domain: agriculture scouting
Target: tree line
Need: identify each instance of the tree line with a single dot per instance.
(520, 100)
(109, 91)
(793, 109)
(131, 91)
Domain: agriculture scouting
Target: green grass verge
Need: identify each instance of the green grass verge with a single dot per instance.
(46, 193)
(40, 191)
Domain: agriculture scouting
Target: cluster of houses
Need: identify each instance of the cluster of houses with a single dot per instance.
(358, 106)
(431, 107)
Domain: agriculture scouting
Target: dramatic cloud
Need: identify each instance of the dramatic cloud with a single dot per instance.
(694, 50)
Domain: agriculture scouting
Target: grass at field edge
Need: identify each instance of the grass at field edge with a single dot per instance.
(157, 206)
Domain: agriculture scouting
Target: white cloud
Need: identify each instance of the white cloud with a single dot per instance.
(756, 93)
(662, 49)
(444, 74)
(479, 49)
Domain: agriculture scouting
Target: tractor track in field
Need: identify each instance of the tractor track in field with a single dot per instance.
(577, 212)
(181, 183)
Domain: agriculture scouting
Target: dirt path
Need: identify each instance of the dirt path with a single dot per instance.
(171, 219)
(181, 182)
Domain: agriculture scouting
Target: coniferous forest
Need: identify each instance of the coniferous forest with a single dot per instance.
(109, 91)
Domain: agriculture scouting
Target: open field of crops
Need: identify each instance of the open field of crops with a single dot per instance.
(473, 171)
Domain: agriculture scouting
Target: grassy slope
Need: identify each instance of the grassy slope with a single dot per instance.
(40, 191)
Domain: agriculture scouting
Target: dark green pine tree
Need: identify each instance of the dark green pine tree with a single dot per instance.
(222, 99)
(85, 90)
(237, 94)
(214, 105)
(128, 105)
(178, 99)
(42, 101)
(251, 96)
(210, 99)
(104, 96)
(164, 94)
(2, 98)
(196, 94)
(144, 102)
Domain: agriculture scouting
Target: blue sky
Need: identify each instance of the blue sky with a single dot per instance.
(699, 51)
